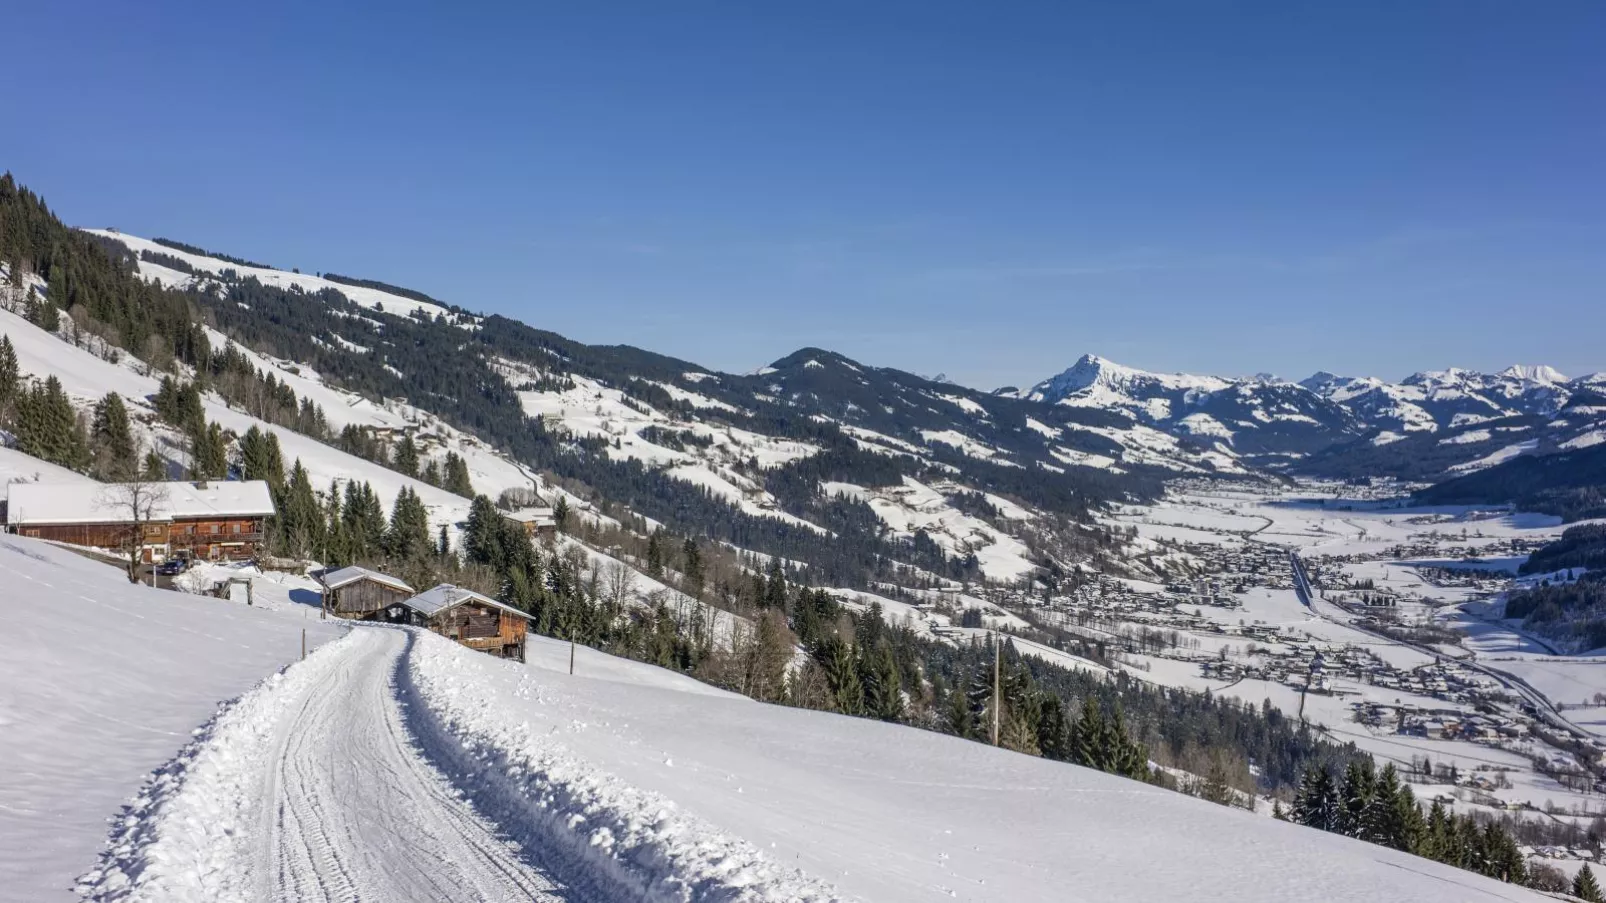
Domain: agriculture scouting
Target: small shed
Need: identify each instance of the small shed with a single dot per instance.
(361, 594)
(476, 621)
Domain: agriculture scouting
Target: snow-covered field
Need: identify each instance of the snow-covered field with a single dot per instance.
(101, 682)
(394, 764)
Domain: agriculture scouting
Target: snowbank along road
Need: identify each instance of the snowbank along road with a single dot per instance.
(317, 790)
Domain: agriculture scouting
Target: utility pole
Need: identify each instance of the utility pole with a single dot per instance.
(996, 654)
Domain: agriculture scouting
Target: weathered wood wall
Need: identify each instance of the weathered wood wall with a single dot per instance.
(227, 538)
(365, 599)
(483, 627)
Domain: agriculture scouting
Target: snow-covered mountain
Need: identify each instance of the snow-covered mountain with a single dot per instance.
(1439, 399)
(1255, 416)
(1331, 425)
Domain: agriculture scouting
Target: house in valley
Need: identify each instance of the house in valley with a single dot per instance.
(216, 519)
(361, 594)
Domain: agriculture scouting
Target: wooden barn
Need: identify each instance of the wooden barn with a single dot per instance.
(361, 594)
(538, 522)
(476, 621)
(217, 519)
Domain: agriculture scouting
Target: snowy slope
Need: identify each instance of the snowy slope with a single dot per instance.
(890, 813)
(88, 378)
(367, 297)
(100, 682)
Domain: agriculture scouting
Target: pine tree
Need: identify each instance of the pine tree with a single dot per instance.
(655, 555)
(209, 452)
(691, 568)
(153, 468)
(842, 675)
(958, 718)
(560, 513)
(883, 696)
(1355, 798)
(408, 535)
(1381, 821)
(457, 481)
(432, 473)
(300, 520)
(406, 457)
(114, 440)
(47, 427)
(1585, 888)
(482, 542)
(1316, 804)
(1088, 736)
(10, 374)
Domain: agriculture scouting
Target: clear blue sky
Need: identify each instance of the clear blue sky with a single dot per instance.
(982, 189)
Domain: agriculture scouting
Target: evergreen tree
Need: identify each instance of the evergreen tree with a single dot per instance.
(842, 676)
(482, 540)
(10, 375)
(406, 457)
(408, 535)
(300, 521)
(457, 481)
(1585, 887)
(432, 473)
(958, 718)
(1054, 736)
(114, 440)
(1355, 798)
(560, 513)
(655, 555)
(1381, 822)
(153, 468)
(883, 696)
(692, 568)
(1088, 736)
(209, 452)
(47, 427)
(1316, 804)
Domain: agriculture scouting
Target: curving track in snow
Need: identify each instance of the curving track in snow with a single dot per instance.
(354, 810)
(313, 788)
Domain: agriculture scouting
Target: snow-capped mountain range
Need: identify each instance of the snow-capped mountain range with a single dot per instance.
(1264, 418)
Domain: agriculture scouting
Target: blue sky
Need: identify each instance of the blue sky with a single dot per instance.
(984, 190)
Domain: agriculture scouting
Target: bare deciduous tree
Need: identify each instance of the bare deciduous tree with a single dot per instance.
(136, 505)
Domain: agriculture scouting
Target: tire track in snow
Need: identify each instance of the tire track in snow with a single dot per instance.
(311, 788)
(356, 813)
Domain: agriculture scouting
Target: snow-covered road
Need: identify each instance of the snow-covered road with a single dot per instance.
(356, 811)
(313, 787)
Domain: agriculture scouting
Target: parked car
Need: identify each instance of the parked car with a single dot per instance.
(173, 567)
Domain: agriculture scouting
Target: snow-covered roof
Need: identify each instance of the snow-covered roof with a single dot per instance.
(432, 602)
(533, 515)
(100, 503)
(349, 575)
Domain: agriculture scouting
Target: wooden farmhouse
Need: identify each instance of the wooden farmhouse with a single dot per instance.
(218, 520)
(538, 522)
(476, 621)
(361, 594)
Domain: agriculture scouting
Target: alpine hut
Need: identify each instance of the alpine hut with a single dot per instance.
(360, 594)
(476, 621)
